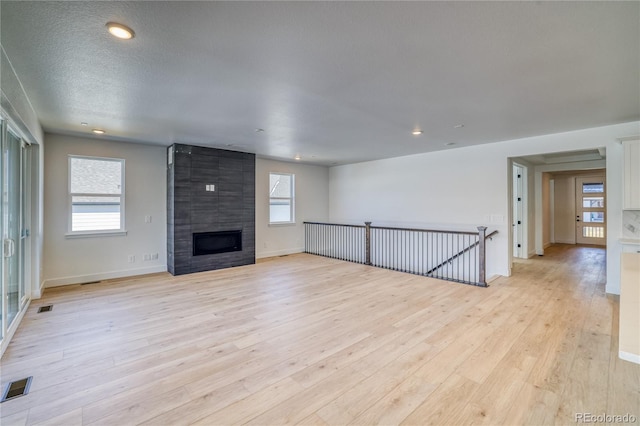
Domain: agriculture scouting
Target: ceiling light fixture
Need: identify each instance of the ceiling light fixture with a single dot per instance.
(297, 157)
(450, 143)
(417, 132)
(84, 124)
(259, 130)
(98, 131)
(121, 31)
(458, 126)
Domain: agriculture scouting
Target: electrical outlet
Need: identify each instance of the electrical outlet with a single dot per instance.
(132, 258)
(154, 256)
(146, 257)
(147, 219)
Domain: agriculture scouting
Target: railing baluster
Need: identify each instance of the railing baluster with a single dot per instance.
(451, 255)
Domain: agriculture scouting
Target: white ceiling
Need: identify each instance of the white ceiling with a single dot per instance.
(335, 82)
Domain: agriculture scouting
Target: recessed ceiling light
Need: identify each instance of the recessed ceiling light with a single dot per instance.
(450, 143)
(98, 131)
(417, 132)
(259, 130)
(84, 124)
(297, 157)
(121, 31)
(458, 126)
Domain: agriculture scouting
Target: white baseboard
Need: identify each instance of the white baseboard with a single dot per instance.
(79, 279)
(629, 357)
(611, 289)
(492, 278)
(565, 241)
(37, 294)
(279, 252)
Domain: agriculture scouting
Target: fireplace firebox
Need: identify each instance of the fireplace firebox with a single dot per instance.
(216, 242)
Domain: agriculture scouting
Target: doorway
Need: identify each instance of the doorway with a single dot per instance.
(590, 210)
(14, 211)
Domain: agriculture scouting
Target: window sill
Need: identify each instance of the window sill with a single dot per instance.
(94, 234)
(278, 224)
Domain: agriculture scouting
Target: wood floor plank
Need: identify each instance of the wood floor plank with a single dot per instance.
(300, 407)
(439, 407)
(367, 393)
(308, 340)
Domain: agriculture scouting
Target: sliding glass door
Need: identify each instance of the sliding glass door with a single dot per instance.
(15, 234)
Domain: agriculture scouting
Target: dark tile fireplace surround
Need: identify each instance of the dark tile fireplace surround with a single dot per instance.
(210, 209)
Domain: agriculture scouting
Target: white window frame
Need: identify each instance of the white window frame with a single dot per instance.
(291, 198)
(93, 233)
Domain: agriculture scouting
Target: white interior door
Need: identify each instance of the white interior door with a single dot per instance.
(591, 203)
(518, 212)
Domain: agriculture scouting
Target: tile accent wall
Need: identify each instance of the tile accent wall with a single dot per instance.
(208, 190)
(631, 224)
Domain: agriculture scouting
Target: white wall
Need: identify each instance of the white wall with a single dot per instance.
(15, 102)
(311, 203)
(468, 187)
(77, 260)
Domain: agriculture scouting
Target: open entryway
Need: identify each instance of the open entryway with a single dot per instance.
(557, 198)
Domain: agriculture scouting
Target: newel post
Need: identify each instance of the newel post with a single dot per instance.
(367, 242)
(482, 232)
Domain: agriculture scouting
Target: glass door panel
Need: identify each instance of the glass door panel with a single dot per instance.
(2, 206)
(590, 210)
(12, 225)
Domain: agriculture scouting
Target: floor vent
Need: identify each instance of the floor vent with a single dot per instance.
(46, 308)
(16, 389)
(91, 282)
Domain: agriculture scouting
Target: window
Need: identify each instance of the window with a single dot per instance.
(593, 188)
(96, 193)
(281, 205)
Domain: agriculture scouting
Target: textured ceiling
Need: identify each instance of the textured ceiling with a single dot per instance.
(335, 82)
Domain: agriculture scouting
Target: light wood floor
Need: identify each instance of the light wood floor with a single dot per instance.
(309, 340)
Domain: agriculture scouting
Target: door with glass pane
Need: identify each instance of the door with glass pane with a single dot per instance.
(14, 233)
(591, 202)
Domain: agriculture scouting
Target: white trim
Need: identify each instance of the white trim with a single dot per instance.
(120, 196)
(279, 252)
(290, 198)
(79, 279)
(14, 326)
(627, 356)
(90, 234)
(492, 278)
